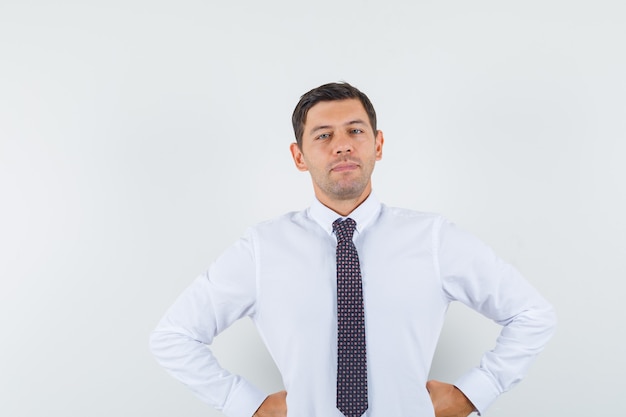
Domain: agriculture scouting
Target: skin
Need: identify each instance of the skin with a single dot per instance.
(275, 405)
(448, 400)
(339, 150)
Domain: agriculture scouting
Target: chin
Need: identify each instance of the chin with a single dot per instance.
(348, 193)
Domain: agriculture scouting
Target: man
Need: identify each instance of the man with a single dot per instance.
(350, 295)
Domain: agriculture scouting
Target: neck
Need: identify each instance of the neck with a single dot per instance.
(344, 207)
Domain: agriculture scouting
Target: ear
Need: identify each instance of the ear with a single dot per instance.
(298, 157)
(380, 140)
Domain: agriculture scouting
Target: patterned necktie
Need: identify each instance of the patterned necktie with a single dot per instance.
(351, 359)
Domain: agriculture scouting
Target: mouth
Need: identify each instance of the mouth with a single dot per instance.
(345, 166)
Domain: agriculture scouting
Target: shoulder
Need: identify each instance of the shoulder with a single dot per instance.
(287, 222)
(442, 229)
(410, 216)
(412, 224)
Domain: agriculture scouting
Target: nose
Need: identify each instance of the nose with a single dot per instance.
(343, 144)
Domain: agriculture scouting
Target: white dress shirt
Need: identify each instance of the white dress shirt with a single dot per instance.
(282, 274)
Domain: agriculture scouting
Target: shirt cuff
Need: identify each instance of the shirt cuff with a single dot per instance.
(479, 388)
(244, 400)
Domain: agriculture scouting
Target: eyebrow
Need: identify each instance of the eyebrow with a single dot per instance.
(351, 122)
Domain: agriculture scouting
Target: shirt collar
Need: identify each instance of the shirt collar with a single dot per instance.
(363, 215)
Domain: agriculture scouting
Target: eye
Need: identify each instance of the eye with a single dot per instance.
(356, 131)
(324, 136)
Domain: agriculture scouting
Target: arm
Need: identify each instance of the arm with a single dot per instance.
(275, 405)
(448, 400)
(473, 275)
(209, 305)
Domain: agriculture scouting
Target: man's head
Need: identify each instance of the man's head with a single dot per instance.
(338, 144)
(328, 92)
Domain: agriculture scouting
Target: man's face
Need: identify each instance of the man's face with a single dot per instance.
(339, 149)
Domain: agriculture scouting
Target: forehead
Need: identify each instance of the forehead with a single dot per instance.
(337, 112)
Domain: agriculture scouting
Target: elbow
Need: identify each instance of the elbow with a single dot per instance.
(544, 320)
(551, 321)
(155, 341)
(160, 343)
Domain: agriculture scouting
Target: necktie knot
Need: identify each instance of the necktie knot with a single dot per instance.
(344, 229)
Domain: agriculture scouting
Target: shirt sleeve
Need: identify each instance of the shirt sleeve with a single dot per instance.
(225, 293)
(472, 274)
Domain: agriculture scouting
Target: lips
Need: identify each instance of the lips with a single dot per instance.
(345, 166)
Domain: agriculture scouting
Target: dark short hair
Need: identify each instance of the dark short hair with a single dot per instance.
(328, 92)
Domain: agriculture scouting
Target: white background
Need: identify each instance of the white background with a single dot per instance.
(138, 139)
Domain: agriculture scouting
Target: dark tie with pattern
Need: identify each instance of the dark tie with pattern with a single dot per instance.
(351, 359)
